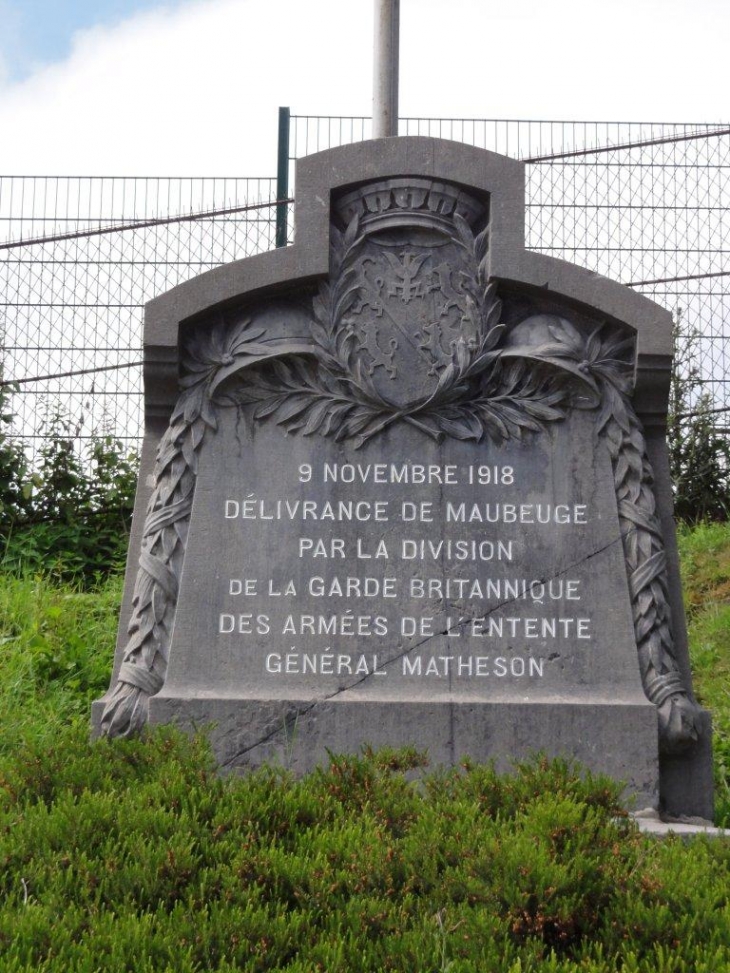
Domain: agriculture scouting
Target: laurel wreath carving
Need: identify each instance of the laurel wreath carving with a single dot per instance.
(602, 360)
(478, 394)
(491, 389)
(207, 362)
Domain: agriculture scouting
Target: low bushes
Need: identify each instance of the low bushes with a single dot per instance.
(138, 856)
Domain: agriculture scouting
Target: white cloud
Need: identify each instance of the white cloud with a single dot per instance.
(195, 89)
(189, 91)
(10, 39)
(588, 59)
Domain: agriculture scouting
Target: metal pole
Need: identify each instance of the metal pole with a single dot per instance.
(385, 68)
(282, 177)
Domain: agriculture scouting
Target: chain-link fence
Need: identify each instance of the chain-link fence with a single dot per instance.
(79, 258)
(644, 203)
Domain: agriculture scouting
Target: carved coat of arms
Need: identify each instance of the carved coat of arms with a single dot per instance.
(414, 291)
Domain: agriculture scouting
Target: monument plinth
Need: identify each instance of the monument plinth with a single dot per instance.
(406, 482)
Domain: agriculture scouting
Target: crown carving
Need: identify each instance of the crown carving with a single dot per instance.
(409, 202)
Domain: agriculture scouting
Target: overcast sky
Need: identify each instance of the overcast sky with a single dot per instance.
(192, 87)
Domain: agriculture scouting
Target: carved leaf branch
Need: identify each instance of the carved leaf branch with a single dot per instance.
(209, 359)
(336, 345)
(646, 563)
(298, 396)
(603, 363)
(475, 398)
(144, 665)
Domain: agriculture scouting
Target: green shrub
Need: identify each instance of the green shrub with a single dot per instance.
(699, 456)
(137, 855)
(75, 524)
(14, 483)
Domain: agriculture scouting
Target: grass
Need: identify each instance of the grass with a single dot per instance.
(138, 856)
(57, 645)
(705, 564)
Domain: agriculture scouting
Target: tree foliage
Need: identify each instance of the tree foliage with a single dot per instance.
(698, 452)
(67, 514)
(14, 488)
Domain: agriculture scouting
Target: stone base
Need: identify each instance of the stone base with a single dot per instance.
(686, 788)
(617, 739)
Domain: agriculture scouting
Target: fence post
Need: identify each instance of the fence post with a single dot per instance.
(282, 177)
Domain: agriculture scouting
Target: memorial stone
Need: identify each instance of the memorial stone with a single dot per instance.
(405, 482)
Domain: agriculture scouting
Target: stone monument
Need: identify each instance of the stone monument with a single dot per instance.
(405, 482)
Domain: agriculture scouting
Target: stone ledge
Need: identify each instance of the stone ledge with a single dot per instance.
(651, 822)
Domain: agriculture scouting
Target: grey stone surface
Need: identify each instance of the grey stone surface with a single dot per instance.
(411, 487)
(652, 823)
(611, 738)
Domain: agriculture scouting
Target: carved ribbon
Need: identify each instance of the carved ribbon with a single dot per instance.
(210, 358)
(646, 565)
(144, 667)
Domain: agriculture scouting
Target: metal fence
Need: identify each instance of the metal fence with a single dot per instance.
(644, 203)
(79, 258)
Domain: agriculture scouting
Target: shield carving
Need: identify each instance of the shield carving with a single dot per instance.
(412, 282)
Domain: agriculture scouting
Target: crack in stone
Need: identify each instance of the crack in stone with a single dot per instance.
(290, 721)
